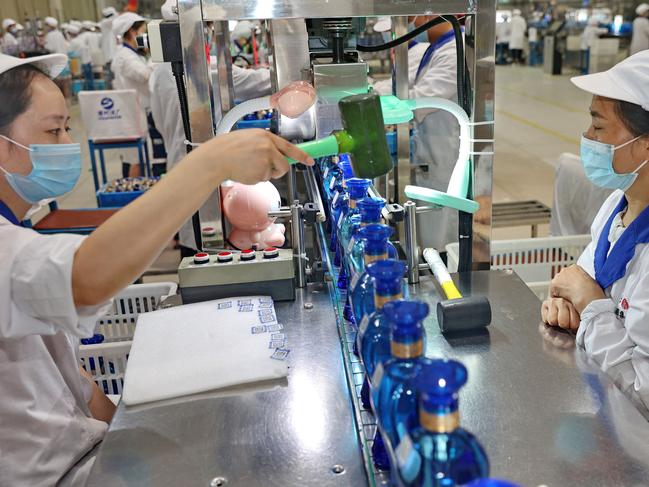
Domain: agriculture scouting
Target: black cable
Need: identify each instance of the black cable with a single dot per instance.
(177, 70)
(400, 40)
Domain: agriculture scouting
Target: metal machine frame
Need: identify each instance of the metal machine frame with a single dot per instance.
(285, 24)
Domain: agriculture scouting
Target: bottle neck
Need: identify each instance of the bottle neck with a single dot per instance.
(369, 258)
(352, 204)
(439, 423)
(379, 300)
(409, 350)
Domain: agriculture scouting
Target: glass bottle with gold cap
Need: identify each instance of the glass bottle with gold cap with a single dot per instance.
(361, 288)
(437, 449)
(357, 190)
(373, 337)
(391, 382)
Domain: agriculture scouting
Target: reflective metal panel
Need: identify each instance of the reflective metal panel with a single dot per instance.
(224, 87)
(285, 433)
(287, 9)
(289, 51)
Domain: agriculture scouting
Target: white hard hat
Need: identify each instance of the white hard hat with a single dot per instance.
(642, 9)
(73, 29)
(167, 10)
(50, 64)
(51, 21)
(124, 22)
(384, 24)
(628, 81)
(6, 23)
(108, 12)
(243, 29)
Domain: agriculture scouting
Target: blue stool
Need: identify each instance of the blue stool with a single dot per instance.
(100, 146)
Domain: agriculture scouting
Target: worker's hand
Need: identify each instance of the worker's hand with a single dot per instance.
(560, 312)
(252, 156)
(575, 285)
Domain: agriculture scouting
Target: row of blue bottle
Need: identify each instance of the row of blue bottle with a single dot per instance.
(415, 400)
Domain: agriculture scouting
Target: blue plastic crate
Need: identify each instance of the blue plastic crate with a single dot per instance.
(253, 124)
(99, 84)
(115, 200)
(77, 86)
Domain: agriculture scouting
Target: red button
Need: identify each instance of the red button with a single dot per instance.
(271, 253)
(224, 256)
(209, 231)
(247, 255)
(201, 258)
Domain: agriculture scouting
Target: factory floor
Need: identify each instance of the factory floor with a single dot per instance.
(538, 117)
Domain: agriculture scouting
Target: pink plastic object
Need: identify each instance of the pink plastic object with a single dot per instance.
(246, 208)
(294, 99)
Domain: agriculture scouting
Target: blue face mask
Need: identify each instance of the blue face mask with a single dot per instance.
(55, 170)
(421, 37)
(597, 159)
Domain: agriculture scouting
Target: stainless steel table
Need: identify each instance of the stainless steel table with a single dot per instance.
(545, 416)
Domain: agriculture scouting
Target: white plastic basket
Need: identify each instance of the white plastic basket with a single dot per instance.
(535, 260)
(106, 363)
(119, 323)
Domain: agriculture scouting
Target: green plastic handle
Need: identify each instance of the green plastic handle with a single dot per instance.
(319, 148)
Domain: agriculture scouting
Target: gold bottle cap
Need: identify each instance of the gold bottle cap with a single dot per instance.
(374, 258)
(407, 350)
(379, 301)
(439, 423)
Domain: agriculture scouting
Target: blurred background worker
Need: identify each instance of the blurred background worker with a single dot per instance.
(640, 36)
(9, 44)
(131, 69)
(108, 42)
(432, 66)
(56, 43)
(517, 37)
(165, 111)
(79, 44)
(503, 33)
(592, 31)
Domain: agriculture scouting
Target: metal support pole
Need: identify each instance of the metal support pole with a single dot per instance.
(297, 237)
(412, 251)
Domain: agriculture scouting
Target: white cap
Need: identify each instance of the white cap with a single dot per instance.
(87, 24)
(124, 22)
(642, 9)
(6, 23)
(108, 12)
(73, 29)
(20, 27)
(516, 12)
(628, 81)
(244, 28)
(51, 21)
(167, 10)
(50, 64)
(384, 24)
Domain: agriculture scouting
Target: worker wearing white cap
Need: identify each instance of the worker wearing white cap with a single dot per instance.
(54, 39)
(518, 28)
(9, 43)
(640, 34)
(80, 45)
(165, 109)
(53, 288)
(108, 41)
(605, 297)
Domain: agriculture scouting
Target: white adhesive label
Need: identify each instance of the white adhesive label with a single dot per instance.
(351, 244)
(355, 278)
(408, 459)
(325, 173)
(340, 220)
(335, 199)
(332, 183)
(365, 322)
(377, 376)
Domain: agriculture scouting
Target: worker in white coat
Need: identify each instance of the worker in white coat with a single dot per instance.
(605, 297)
(54, 287)
(640, 34)
(108, 42)
(503, 34)
(517, 37)
(55, 41)
(432, 71)
(165, 109)
(79, 44)
(9, 44)
(591, 33)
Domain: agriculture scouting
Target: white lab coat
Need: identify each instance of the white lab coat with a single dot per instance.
(640, 35)
(108, 39)
(576, 200)
(165, 109)
(80, 46)
(619, 345)
(94, 45)
(9, 44)
(503, 32)
(45, 423)
(132, 72)
(415, 53)
(55, 42)
(518, 29)
(589, 35)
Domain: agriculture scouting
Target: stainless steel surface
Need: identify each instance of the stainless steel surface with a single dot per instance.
(224, 92)
(297, 241)
(284, 433)
(282, 213)
(288, 9)
(313, 192)
(300, 128)
(289, 51)
(479, 44)
(402, 175)
(543, 413)
(333, 82)
(412, 250)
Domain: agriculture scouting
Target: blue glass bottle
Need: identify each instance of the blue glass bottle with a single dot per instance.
(345, 165)
(370, 212)
(357, 190)
(361, 286)
(339, 207)
(331, 175)
(373, 336)
(392, 390)
(436, 447)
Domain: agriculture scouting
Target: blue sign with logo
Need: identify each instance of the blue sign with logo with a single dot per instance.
(108, 111)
